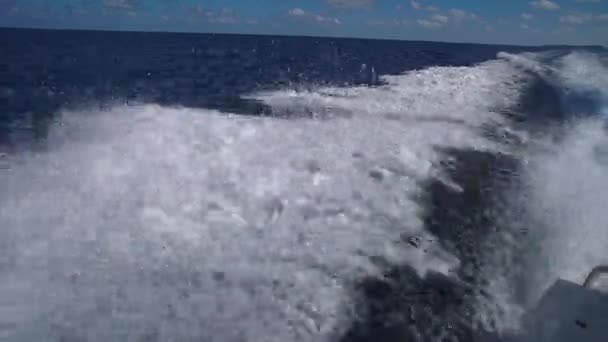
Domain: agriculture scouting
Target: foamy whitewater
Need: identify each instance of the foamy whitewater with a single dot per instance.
(177, 224)
(558, 225)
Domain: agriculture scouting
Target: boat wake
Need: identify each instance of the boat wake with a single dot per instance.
(171, 223)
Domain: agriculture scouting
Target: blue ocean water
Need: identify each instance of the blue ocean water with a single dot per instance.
(211, 71)
(169, 187)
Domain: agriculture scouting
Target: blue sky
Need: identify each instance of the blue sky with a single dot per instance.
(489, 21)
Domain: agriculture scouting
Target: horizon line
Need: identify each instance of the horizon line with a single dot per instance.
(298, 36)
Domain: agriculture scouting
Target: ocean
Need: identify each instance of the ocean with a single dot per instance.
(207, 187)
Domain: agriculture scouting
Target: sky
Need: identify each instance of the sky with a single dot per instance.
(525, 22)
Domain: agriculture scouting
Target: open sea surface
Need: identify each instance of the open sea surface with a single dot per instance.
(199, 187)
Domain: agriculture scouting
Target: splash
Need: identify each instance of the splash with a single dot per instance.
(175, 223)
(555, 225)
(579, 77)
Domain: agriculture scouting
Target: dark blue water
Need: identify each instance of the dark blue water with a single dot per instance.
(164, 187)
(44, 71)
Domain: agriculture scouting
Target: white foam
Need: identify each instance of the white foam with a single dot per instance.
(561, 208)
(560, 201)
(175, 223)
(567, 192)
(527, 61)
(577, 72)
(584, 71)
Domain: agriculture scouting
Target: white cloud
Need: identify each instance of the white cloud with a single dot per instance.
(582, 18)
(576, 18)
(438, 20)
(434, 22)
(432, 8)
(392, 23)
(298, 12)
(529, 28)
(545, 4)
(489, 28)
(428, 24)
(323, 19)
(459, 15)
(128, 7)
(416, 5)
(221, 16)
(442, 19)
(527, 16)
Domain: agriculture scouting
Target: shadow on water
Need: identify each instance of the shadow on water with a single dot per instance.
(403, 306)
(545, 102)
(542, 103)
